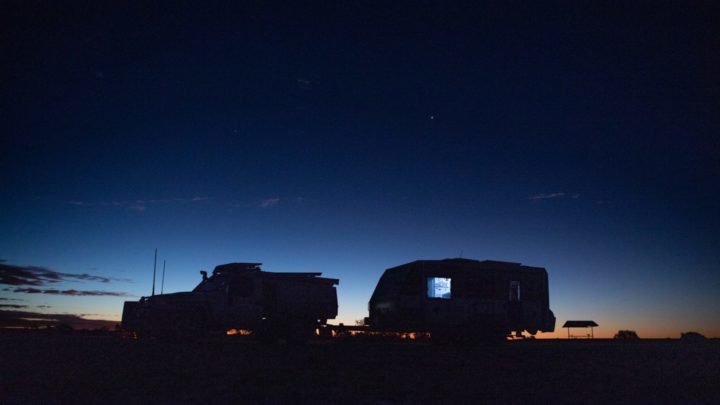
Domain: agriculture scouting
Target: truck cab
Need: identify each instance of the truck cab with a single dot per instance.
(238, 296)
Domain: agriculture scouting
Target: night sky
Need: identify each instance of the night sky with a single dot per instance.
(352, 137)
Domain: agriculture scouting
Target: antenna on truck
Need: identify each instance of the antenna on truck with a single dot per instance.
(162, 284)
(154, 266)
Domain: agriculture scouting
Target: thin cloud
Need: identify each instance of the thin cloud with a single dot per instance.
(139, 205)
(40, 276)
(550, 196)
(269, 202)
(554, 196)
(80, 203)
(27, 319)
(546, 196)
(12, 306)
(76, 293)
(304, 84)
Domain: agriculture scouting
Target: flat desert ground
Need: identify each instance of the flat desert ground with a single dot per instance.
(76, 368)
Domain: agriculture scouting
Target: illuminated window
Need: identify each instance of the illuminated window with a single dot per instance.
(438, 287)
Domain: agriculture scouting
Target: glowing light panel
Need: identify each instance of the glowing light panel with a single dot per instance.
(438, 287)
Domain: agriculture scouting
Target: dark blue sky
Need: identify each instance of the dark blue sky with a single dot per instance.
(356, 136)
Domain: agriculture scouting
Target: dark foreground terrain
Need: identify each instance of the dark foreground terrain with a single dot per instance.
(46, 368)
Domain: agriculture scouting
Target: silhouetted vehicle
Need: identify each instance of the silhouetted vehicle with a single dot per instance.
(462, 298)
(238, 296)
(692, 337)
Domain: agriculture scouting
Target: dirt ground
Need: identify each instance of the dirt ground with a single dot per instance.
(46, 368)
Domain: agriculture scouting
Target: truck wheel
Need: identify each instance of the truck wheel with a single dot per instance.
(300, 333)
(266, 331)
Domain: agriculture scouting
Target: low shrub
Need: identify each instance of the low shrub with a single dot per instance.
(627, 335)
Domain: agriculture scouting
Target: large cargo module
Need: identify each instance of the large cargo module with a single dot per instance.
(238, 296)
(461, 297)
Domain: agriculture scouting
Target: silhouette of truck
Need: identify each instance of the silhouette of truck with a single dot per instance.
(238, 296)
(462, 297)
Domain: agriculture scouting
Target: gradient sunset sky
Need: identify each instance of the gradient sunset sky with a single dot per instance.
(352, 137)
